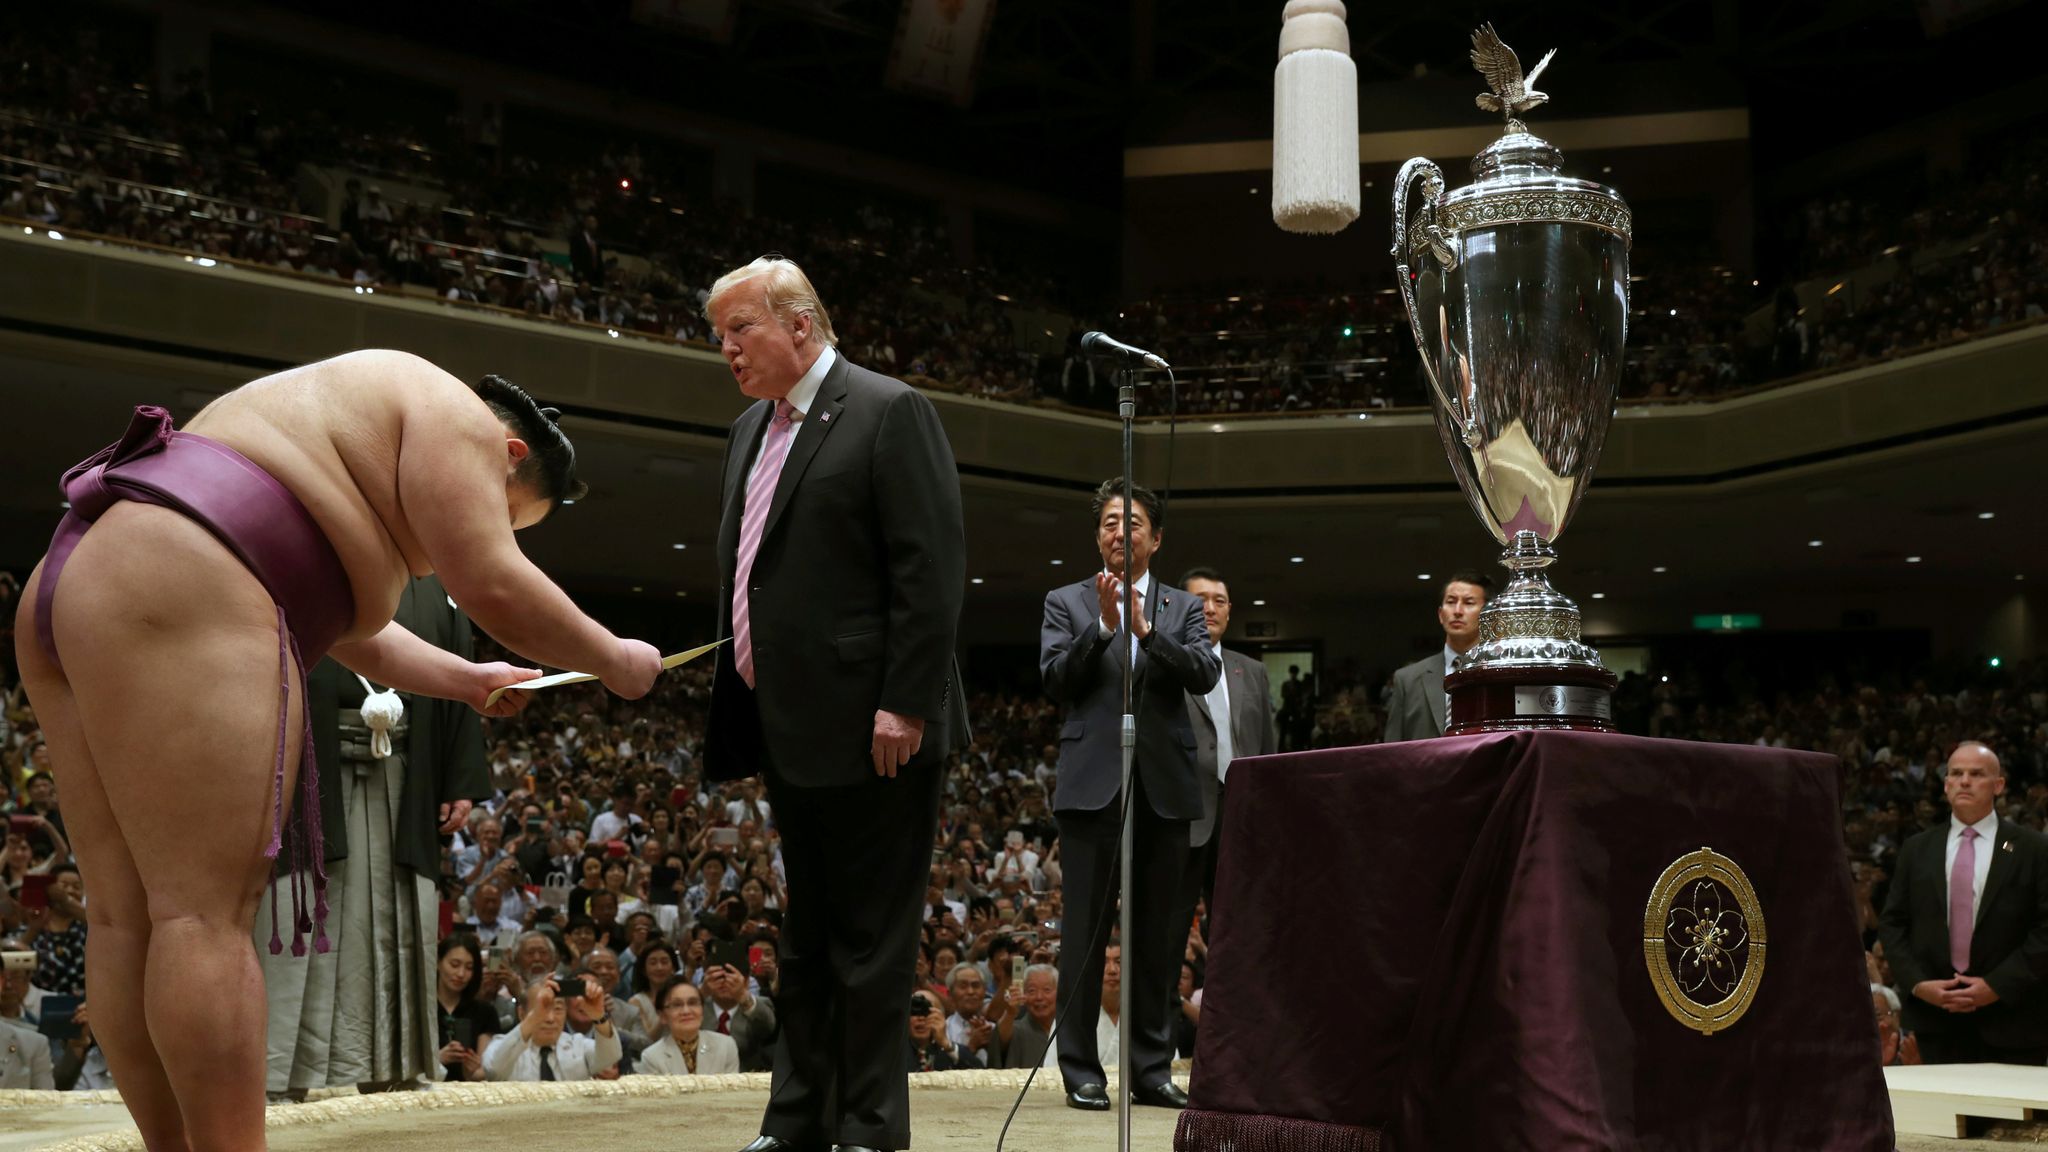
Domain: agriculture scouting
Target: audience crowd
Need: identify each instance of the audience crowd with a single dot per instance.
(609, 912)
(612, 237)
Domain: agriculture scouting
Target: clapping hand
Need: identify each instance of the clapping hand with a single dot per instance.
(1109, 591)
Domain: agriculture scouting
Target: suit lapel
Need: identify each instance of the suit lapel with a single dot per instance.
(817, 424)
(2002, 865)
(1433, 691)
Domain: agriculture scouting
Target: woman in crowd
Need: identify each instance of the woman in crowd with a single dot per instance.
(467, 1023)
(650, 973)
(686, 1049)
(589, 880)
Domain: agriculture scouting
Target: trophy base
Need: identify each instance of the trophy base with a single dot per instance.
(1528, 697)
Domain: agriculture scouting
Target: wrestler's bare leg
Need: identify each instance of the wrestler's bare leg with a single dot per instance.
(171, 649)
(116, 908)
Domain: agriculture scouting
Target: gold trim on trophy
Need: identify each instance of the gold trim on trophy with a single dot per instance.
(1720, 949)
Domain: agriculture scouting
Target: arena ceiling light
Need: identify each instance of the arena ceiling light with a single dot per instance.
(1057, 563)
(1599, 595)
(679, 547)
(1660, 569)
(977, 580)
(1813, 543)
(1986, 515)
(1422, 575)
(1297, 559)
(1258, 603)
(1912, 559)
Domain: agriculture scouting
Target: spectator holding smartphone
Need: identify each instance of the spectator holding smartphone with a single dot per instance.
(739, 1013)
(539, 1049)
(1026, 1035)
(685, 1048)
(969, 1030)
(468, 1023)
(930, 1050)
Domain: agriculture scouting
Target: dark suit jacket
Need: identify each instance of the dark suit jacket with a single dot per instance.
(444, 743)
(1084, 673)
(1251, 732)
(857, 587)
(586, 257)
(2008, 946)
(1416, 710)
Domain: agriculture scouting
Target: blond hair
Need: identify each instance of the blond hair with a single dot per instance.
(788, 290)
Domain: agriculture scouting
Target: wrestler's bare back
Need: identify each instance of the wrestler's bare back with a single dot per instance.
(332, 432)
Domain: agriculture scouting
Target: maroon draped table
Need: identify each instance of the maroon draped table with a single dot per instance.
(1439, 946)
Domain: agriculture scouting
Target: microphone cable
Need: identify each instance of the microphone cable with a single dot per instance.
(1098, 933)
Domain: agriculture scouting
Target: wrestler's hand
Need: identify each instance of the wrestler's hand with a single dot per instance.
(897, 739)
(455, 813)
(488, 678)
(633, 672)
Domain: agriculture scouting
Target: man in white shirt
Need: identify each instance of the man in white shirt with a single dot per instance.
(749, 806)
(1233, 721)
(1964, 928)
(621, 820)
(539, 1049)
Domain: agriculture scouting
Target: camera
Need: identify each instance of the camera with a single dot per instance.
(573, 987)
(920, 1005)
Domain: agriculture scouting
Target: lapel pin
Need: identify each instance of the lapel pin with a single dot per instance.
(2005, 847)
(825, 418)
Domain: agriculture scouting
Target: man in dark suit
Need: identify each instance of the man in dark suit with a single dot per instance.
(586, 254)
(842, 561)
(1090, 630)
(1965, 926)
(1233, 721)
(1419, 707)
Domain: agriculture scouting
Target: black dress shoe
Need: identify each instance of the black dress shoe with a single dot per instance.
(1088, 1098)
(852, 1148)
(770, 1144)
(1161, 1096)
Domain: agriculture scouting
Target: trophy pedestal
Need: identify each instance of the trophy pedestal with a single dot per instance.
(1527, 697)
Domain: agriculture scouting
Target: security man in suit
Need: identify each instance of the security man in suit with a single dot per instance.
(1965, 926)
(1233, 721)
(842, 561)
(1090, 630)
(1419, 706)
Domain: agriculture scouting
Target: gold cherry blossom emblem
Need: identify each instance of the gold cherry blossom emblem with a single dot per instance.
(1704, 940)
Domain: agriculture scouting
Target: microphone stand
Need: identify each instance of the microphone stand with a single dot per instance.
(1127, 411)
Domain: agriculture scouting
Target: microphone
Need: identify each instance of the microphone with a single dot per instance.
(1100, 342)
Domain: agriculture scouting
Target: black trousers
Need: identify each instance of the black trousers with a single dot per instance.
(1090, 845)
(1965, 1046)
(858, 860)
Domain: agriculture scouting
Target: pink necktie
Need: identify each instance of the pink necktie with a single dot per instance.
(760, 494)
(1962, 907)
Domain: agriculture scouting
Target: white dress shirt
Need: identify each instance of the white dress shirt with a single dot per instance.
(1987, 842)
(800, 398)
(1451, 658)
(1219, 712)
(957, 1029)
(577, 1057)
(1109, 626)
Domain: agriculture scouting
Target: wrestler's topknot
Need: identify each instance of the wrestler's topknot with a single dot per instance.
(552, 465)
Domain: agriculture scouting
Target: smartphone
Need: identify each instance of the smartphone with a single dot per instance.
(22, 826)
(535, 826)
(1016, 971)
(35, 891)
(731, 953)
(463, 1032)
(57, 1018)
(757, 953)
(726, 837)
(662, 888)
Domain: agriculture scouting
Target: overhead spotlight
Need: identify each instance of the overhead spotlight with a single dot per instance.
(1599, 595)
(1660, 568)
(1813, 543)
(1912, 559)
(977, 580)
(1258, 603)
(1986, 515)
(1422, 575)
(1057, 563)
(679, 547)
(1297, 559)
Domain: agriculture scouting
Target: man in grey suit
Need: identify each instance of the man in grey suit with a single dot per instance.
(1090, 630)
(842, 567)
(1233, 721)
(1419, 707)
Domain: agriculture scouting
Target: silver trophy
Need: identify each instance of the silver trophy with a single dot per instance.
(1516, 287)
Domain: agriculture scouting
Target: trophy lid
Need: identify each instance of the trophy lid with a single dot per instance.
(1517, 154)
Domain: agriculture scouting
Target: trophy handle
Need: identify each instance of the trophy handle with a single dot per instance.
(1432, 179)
